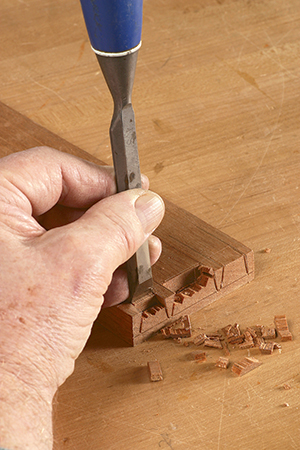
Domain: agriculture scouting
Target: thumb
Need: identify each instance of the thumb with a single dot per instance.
(108, 234)
(123, 222)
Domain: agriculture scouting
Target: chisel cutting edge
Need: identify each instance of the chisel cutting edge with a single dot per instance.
(114, 28)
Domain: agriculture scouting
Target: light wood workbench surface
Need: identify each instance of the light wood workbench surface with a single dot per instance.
(217, 104)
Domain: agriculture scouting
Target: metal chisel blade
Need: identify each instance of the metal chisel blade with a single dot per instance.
(124, 150)
(128, 176)
(119, 75)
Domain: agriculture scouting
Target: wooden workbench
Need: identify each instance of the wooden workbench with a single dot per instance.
(217, 104)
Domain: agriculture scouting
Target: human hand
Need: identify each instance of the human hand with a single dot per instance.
(53, 283)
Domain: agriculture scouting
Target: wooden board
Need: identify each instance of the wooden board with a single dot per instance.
(18, 133)
(193, 252)
(198, 265)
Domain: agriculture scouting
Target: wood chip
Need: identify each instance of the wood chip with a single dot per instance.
(155, 372)
(285, 336)
(205, 274)
(257, 329)
(215, 336)
(188, 292)
(200, 356)
(235, 329)
(268, 333)
(235, 339)
(267, 348)
(258, 341)
(222, 362)
(248, 341)
(282, 328)
(234, 335)
(252, 331)
(225, 348)
(245, 365)
(213, 343)
(198, 340)
(180, 328)
(226, 330)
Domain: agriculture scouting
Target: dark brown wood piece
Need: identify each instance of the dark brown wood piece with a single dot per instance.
(180, 328)
(198, 340)
(226, 330)
(222, 362)
(282, 328)
(199, 264)
(233, 339)
(225, 348)
(155, 372)
(213, 343)
(245, 365)
(267, 348)
(268, 333)
(234, 335)
(258, 341)
(248, 341)
(257, 329)
(216, 336)
(200, 356)
(252, 332)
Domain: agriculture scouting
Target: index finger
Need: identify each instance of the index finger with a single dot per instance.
(41, 177)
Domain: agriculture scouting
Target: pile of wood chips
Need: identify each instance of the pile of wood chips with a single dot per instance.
(229, 337)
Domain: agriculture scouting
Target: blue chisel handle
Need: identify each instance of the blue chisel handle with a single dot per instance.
(114, 26)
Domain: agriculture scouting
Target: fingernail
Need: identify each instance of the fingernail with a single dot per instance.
(145, 181)
(150, 209)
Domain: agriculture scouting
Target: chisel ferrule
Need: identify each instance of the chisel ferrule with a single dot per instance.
(115, 55)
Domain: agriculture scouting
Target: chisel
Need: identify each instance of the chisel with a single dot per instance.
(114, 28)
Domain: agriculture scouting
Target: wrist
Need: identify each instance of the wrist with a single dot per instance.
(25, 414)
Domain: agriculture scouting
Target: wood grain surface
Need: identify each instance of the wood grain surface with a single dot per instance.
(216, 98)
